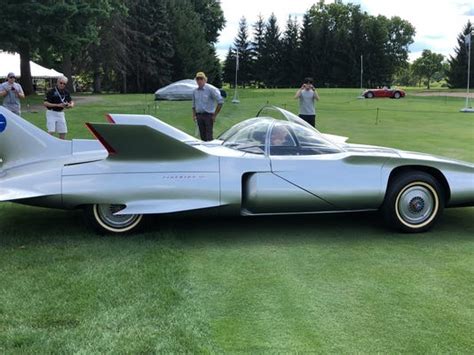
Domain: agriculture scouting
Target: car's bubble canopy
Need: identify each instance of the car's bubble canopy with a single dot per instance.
(283, 133)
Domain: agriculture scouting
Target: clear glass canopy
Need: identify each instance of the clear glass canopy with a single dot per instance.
(277, 132)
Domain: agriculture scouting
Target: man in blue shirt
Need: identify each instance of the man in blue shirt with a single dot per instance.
(205, 111)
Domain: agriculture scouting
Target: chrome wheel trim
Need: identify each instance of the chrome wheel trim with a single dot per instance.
(107, 219)
(397, 95)
(417, 204)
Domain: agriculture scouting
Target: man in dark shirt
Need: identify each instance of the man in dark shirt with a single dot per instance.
(57, 99)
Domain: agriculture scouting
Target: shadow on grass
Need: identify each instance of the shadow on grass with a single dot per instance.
(21, 225)
(317, 228)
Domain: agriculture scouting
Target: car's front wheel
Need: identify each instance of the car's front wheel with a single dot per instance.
(413, 202)
(103, 218)
(397, 95)
(369, 95)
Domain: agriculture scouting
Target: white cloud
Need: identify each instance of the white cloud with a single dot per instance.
(437, 23)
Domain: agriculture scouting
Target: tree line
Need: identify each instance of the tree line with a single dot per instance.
(331, 44)
(119, 45)
(139, 46)
(328, 46)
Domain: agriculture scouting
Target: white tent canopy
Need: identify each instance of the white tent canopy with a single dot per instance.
(10, 62)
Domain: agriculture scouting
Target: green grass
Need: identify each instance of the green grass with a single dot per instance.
(339, 284)
(427, 124)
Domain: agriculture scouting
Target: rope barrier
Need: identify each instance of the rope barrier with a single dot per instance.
(383, 109)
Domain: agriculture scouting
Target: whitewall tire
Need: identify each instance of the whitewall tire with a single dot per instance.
(103, 218)
(413, 202)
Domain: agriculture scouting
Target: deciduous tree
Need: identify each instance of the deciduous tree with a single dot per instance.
(427, 65)
(23, 26)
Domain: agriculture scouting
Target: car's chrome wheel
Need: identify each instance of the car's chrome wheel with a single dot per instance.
(413, 202)
(103, 218)
(416, 204)
(396, 95)
(369, 95)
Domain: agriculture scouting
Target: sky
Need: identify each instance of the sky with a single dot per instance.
(437, 22)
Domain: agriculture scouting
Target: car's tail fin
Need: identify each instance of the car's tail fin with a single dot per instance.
(150, 121)
(22, 142)
(139, 142)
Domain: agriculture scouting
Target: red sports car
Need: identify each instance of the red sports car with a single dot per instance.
(385, 92)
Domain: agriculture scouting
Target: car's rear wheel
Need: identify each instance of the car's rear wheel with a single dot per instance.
(369, 95)
(413, 202)
(103, 218)
(397, 95)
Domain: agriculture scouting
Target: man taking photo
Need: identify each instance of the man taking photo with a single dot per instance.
(12, 93)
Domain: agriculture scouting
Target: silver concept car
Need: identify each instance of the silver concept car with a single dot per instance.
(266, 165)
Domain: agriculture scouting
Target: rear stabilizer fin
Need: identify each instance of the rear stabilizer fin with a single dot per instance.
(150, 121)
(22, 142)
(138, 142)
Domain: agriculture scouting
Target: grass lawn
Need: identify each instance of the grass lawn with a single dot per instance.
(335, 283)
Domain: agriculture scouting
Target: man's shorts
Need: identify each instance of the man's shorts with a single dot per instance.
(56, 122)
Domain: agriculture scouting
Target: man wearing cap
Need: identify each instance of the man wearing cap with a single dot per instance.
(12, 93)
(204, 106)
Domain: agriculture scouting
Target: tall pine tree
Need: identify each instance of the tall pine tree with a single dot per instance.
(257, 50)
(243, 45)
(289, 53)
(228, 71)
(306, 58)
(457, 72)
(270, 54)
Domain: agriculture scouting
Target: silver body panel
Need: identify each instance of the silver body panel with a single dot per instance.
(459, 175)
(152, 167)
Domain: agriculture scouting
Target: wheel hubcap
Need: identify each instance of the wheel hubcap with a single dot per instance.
(416, 204)
(107, 215)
